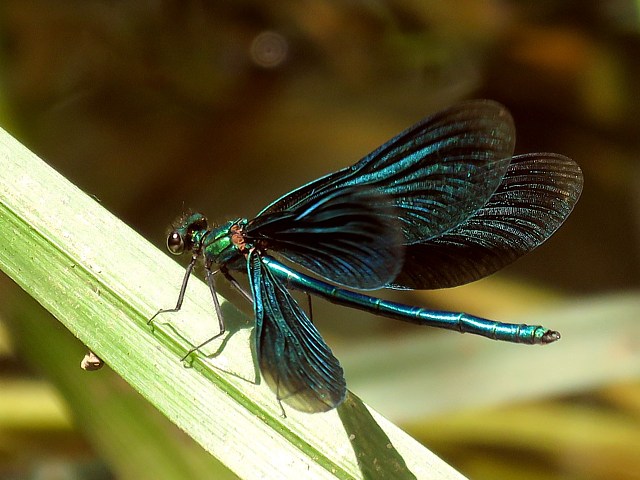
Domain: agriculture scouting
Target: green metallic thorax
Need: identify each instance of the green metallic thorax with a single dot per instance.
(224, 245)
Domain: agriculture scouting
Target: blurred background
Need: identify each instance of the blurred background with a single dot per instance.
(158, 105)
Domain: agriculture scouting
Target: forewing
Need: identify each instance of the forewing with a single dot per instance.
(535, 197)
(437, 172)
(294, 360)
(350, 236)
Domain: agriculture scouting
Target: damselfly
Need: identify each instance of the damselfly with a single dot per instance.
(442, 204)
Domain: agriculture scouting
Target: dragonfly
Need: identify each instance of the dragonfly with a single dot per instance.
(442, 204)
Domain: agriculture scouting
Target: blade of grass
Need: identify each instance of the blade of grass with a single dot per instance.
(101, 405)
(103, 281)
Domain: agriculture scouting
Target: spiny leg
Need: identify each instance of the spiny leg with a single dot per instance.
(279, 398)
(216, 304)
(309, 307)
(234, 283)
(183, 289)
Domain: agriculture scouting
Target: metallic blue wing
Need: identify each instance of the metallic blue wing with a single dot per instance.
(535, 197)
(294, 360)
(349, 236)
(437, 173)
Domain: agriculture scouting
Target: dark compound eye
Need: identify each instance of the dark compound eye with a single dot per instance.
(175, 243)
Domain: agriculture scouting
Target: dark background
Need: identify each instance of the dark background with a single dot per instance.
(157, 106)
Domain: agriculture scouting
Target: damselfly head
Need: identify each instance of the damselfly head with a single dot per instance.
(187, 234)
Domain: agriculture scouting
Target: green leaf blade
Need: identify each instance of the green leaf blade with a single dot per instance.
(103, 281)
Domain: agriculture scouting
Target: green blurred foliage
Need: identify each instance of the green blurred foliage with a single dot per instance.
(158, 106)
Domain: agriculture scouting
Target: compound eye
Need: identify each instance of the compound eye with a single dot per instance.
(175, 243)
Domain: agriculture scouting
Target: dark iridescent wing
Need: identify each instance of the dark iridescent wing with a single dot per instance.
(535, 197)
(349, 236)
(294, 360)
(437, 173)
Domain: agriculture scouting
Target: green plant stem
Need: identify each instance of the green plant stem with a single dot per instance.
(103, 281)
